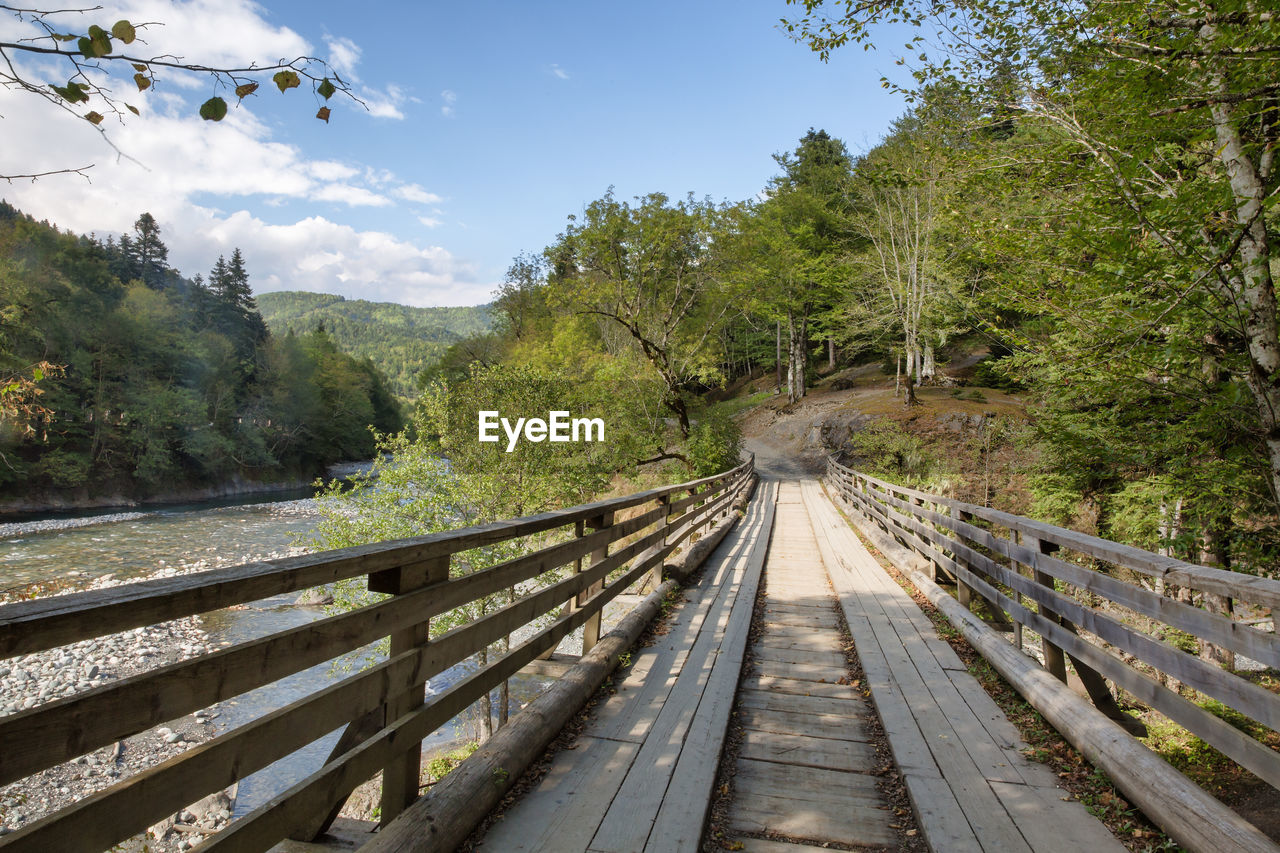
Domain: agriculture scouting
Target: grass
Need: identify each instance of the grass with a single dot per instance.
(440, 766)
(741, 404)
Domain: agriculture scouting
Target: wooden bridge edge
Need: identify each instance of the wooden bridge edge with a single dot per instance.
(1192, 817)
(443, 818)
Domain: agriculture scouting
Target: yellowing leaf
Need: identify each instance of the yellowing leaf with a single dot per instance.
(143, 83)
(94, 117)
(138, 66)
(124, 31)
(323, 114)
(214, 109)
(131, 108)
(286, 80)
(244, 90)
(99, 42)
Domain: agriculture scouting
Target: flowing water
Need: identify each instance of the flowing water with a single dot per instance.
(136, 544)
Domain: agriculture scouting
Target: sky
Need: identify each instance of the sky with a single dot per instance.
(484, 126)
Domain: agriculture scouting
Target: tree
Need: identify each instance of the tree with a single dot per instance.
(898, 202)
(97, 59)
(150, 256)
(793, 244)
(1171, 106)
(654, 271)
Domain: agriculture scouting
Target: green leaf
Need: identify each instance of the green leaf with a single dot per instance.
(143, 83)
(94, 117)
(73, 92)
(124, 31)
(214, 109)
(64, 36)
(36, 374)
(244, 90)
(99, 43)
(287, 80)
(326, 89)
(323, 114)
(131, 108)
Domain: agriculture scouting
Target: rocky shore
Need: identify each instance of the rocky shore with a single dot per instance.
(29, 681)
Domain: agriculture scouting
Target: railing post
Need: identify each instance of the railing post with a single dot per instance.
(964, 592)
(655, 574)
(591, 628)
(400, 778)
(1054, 660)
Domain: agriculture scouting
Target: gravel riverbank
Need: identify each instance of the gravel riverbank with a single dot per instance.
(28, 681)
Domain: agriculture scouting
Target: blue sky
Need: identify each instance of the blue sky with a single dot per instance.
(489, 123)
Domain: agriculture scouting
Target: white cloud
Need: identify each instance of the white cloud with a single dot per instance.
(415, 193)
(330, 170)
(384, 104)
(559, 72)
(348, 194)
(210, 185)
(430, 221)
(344, 56)
(450, 98)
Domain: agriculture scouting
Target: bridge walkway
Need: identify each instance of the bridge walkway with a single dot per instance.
(642, 774)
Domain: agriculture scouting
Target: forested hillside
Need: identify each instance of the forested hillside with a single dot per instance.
(399, 339)
(124, 378)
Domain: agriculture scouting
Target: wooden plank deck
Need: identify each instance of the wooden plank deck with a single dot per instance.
(960, 757)
(640, 776)
(803, 770)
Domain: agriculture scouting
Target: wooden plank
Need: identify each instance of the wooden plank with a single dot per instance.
(400, 777)
(818, 725)
(678, 826)
(803, 783)
(805, 671)
(789, 748)
(799, 704)
(832, 660)
(831, 690)
(1194, 818)
(1052, 825)
(562, 812)
(868, 595)
(627, 824)
(629, 713)
(812, 641)
(764, 845)
(1216, 628)
(854, 823)
(1225, 737)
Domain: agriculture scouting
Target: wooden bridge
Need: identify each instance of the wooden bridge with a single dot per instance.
(804, 771)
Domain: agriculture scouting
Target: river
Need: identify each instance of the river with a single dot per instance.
(137, 543)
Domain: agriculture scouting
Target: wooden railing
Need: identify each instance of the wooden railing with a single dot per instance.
(389, 715)
(1082, 596)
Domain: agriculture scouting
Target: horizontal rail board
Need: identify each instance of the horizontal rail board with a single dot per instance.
(289, 810)
(1263, 591)
(69, 618)
(1259, 645)
(138, 802)
(943, 539)
(49, 734)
